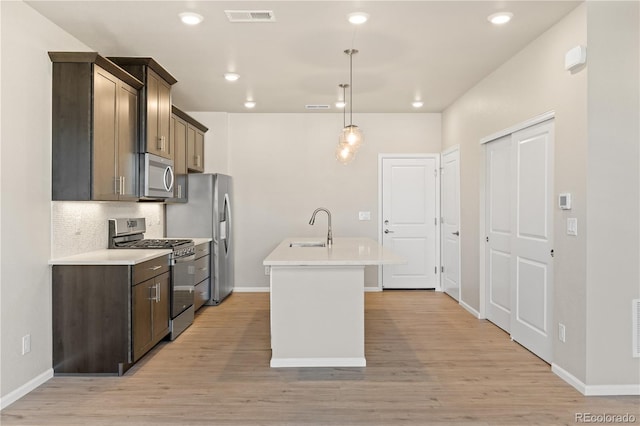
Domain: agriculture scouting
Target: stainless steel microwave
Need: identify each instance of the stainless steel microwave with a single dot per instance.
(156, 177)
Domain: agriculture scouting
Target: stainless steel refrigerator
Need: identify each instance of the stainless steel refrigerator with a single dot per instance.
(207, 214)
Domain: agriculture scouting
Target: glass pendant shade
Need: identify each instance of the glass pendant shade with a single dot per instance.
(352, 136)
(344, 153)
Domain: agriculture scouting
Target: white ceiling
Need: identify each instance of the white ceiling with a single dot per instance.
(431, 50)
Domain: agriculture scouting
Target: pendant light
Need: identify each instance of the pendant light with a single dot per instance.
(351, 134)
(344, 153)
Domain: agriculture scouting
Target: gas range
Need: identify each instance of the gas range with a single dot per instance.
(129, 234)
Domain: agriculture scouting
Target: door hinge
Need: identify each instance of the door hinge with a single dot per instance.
(435, 221)
(487, 239)
(435, 172)
(435, 269)
(442, 269)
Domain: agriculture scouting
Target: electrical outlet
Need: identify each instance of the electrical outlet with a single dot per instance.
(562, 333)
(26, 344)
(267, 270)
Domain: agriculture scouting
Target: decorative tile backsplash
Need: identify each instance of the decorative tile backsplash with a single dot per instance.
(78, 227)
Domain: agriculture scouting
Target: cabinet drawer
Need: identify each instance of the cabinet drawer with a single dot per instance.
(201, 295)
(151, 268)
(202, 250)
(202, 268)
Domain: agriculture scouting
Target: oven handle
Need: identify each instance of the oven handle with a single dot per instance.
(184, 259)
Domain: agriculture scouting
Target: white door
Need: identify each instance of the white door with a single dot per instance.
(409, 221)
(498, 204)
(532, 260)
(519, 257)
(450, 181)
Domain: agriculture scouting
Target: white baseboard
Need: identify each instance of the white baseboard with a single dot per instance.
(318, 362)
(266, 289)
(12, 397)
(595, 390)
(251, 290)
(470, 309)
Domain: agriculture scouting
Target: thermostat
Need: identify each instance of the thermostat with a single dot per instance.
(564, 201)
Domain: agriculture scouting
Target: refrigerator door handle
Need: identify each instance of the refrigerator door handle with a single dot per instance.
(227, 222)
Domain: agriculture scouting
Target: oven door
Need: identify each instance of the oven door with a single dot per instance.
(183, 273)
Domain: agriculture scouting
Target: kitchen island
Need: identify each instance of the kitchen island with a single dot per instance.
(317, 300)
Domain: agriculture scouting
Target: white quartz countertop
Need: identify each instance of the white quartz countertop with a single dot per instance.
(345, 251)
(111, 257)
(119, 256)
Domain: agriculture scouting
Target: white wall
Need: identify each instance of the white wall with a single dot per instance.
(613, 274)
(284, 167)
(25, 183)
(532, 82)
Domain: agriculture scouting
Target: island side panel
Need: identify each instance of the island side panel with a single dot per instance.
(317, 316)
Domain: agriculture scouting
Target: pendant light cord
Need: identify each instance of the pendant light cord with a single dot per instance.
(351, 87)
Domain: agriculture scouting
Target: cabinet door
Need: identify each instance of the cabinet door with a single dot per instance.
(164, 117)
(161, 307)
(105, 90)
(154, 142)
(179, 143)
(199, 151)
(144, 295)
(158, 115)
(127, 141)
(195, 149)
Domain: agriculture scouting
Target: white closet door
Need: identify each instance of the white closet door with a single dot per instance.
(499, 230)
(532, 241)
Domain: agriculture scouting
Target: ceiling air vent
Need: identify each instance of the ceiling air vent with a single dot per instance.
(250, 15)
(317, 106)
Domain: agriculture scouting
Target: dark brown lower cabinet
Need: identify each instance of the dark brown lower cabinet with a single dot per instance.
(106, 317)
(150, 314)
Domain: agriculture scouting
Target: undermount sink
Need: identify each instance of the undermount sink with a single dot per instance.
(308, 244)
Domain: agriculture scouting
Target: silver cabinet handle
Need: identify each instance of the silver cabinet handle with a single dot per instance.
(203, 269)
(155, 268)
(198, 161)
(386, 231)
(157, 292)
(179, 191)
(123, 191)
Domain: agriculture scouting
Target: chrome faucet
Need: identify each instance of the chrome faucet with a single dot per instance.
(313, 220)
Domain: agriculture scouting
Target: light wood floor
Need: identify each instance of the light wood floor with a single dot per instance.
(429, 362)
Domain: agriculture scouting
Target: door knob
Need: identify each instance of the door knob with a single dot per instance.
(386, 231)
(456, 233)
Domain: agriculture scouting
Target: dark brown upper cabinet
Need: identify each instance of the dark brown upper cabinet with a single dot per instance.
(155, 104)
(194, 141)
(94, 129)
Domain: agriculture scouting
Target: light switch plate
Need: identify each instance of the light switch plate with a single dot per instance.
(364, 216)
(572, 226)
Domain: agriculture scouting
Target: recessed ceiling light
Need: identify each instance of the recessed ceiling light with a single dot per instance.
(249, 104)
(231, 76)
(500, 18)
(190, 18)
(341, 104)
(358, 18)
(417, 104)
